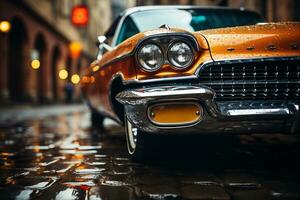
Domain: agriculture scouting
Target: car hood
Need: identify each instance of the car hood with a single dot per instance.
(262, 40)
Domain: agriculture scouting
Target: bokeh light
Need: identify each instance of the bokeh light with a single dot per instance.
(92, 79)
(5, 26)
(95, 68)
(63, 74)
(75, 78)
(75, 49)
(35, 64)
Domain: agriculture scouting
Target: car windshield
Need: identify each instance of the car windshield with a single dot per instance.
(188, 19)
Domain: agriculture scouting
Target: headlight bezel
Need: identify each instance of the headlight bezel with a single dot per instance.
(164, 41)
(173, 65)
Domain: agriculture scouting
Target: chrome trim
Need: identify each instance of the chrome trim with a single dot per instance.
(143, 96)
(136, 102)
(158, 39)
(239, 82)
(295, 121)
(241, 60)
(238, 79)
(165, 26)
(245, 116)
(274, 111)
(161, 80)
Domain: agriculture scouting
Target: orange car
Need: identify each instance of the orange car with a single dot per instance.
(188, 69)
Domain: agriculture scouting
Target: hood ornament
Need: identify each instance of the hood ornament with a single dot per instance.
(165, 26)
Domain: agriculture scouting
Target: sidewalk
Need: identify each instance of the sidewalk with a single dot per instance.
(26, 112)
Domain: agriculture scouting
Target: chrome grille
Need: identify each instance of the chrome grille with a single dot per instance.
(253, 80)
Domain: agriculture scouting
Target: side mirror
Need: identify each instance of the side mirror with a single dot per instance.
(101, 39)
(103, 47)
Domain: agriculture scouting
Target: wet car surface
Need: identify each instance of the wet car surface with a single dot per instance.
(62, 157)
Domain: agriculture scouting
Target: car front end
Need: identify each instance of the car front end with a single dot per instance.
(196, 70)
(250, 85)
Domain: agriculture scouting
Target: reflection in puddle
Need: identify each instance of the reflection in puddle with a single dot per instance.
(59, 159)
(114, 183)
(96, 163)
(24, 194)
(89, 171)
(68, 193)
(40, 147)
(78, 184)
(76, 152)
(38, 186)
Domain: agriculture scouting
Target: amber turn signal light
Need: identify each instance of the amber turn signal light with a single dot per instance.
(175, 114)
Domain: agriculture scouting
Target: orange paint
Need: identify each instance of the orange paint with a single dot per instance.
(271, 40)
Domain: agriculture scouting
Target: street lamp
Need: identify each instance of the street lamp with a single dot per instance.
(35, 64)
(75, 78)
(5, 26)
(35, 59)
(63, 74)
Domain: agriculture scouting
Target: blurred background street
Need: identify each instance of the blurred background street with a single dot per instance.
(46, 45)
(48, 149)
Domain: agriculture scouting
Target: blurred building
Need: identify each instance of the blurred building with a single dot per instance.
(118, 6)
(41, 31)
(272, 10)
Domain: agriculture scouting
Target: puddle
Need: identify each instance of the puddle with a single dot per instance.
(79, 184)
(89, 171)
(51, 146)
(114, 183)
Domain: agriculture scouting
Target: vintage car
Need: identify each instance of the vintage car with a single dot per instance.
(189, 69)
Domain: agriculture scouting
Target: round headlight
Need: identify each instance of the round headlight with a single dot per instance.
(150, 57)
(180, 55)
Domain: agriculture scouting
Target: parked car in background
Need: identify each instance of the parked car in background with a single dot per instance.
(189, 69)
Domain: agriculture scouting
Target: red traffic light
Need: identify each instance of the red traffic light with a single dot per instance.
(80, 15)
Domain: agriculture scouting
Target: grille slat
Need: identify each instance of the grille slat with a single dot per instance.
(261, 80)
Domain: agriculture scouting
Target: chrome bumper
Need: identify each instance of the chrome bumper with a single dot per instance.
(219, 117)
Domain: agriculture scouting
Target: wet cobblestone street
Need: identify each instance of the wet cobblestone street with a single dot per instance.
(62, 157)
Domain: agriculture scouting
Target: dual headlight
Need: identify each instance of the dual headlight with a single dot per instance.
(151, 57)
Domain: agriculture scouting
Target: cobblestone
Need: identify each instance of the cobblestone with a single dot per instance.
(61, 157)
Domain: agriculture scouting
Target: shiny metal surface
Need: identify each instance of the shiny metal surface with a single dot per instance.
(256, 108)
(164, 42)
(231, 117)
(102, 46)
(274, 111)
(253, 79)
(136, 102)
